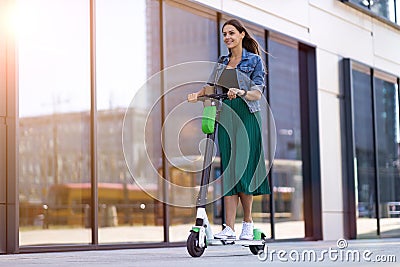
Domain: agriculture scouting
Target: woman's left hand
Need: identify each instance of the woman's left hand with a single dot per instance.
(232, 93)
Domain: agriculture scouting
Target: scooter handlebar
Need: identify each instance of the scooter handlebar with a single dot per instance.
(212, 96)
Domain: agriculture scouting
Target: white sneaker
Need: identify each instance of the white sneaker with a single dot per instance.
(247, 231)
(227, 233)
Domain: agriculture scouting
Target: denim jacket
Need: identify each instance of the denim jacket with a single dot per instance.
(251, 75)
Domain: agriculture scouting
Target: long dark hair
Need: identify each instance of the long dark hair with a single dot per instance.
(248, 42)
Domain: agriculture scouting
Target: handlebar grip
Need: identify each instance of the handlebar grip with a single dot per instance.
(212, 96)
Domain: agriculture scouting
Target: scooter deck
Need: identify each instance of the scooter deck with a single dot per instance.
(214, 242)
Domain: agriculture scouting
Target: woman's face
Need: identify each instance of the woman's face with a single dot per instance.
(232, 37)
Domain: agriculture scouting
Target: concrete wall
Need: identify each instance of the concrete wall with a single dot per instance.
(338, 31)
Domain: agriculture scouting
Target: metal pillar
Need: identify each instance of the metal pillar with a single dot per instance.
(9, 242)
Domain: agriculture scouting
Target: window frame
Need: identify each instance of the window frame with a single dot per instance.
(367, 10)
(310, 144)
(348, 145)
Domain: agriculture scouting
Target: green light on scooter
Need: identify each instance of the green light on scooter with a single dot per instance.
(257, 234)
(195, 229)
(208, 121)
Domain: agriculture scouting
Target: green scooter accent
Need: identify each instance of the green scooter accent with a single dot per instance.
(208, 121)
(257, 234)
(195, 229)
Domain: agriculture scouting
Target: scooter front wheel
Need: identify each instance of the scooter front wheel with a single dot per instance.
(192, 245)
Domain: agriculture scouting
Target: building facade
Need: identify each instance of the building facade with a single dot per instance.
(88, 122)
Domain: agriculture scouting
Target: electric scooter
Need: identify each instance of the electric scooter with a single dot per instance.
(201, 235)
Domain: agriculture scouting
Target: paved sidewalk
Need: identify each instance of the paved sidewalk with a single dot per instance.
(373, 250)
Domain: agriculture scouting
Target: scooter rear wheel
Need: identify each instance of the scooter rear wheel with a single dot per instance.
(255, 249)
(192, 245)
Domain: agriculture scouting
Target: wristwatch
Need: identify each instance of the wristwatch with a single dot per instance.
(244, 94)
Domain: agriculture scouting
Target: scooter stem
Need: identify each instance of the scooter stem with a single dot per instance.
(205, 174)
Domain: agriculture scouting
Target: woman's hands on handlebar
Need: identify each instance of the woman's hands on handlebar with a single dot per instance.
(192, 98)
(232, 94)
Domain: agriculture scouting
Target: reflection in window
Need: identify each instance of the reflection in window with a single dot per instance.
(362, 3)
(397, 12)
(383, 8)
(365, 159)
(191, 35)
(388, 140)
(261, 204)
(376, 136)
(54, 95)
(388, 9)
(287, 169)
(127, 53)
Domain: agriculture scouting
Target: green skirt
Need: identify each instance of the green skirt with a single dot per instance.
(241, 150)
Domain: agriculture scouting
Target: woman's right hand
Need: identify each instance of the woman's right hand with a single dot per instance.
(192, 98)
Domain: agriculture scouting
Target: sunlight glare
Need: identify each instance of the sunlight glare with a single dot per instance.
(9, 18)
(21, 20)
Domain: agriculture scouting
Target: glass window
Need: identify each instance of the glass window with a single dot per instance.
(190, 35)
(127, 53)
(383, 8)
(287, 167)
(261, 204)
(376, 136)
(388, 140)
(54, 105)
(365, 159)
(397, 11)
(362, 3)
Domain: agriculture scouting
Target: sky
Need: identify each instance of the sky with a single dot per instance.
(54, 54)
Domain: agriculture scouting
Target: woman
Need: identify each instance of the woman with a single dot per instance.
(242, 74)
